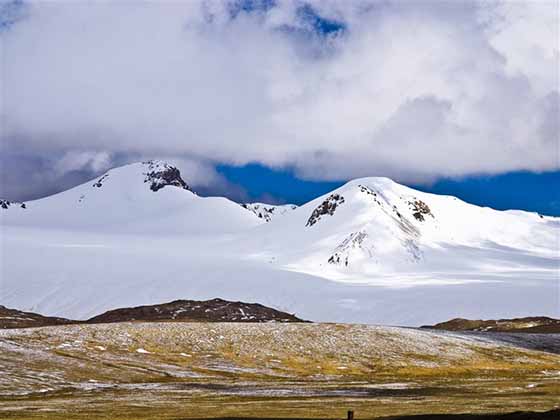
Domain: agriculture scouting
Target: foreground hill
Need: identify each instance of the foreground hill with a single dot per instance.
(215, 310)
(370, 251)
(540, 325)
(268, 370)
(12, 318)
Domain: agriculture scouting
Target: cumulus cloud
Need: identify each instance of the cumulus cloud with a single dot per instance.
(333, 89)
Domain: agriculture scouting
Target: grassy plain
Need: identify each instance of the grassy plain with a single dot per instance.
(200, 370)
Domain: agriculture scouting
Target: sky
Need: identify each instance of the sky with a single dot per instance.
(281, 101)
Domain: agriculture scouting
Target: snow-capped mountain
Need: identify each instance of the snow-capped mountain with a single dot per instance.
(142, 197)
(268, 211)
(374, 225)
(369, 251)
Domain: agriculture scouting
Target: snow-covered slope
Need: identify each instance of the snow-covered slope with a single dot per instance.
(370, 251)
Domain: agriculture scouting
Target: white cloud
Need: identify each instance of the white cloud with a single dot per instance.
(413, 90)
(83, 160)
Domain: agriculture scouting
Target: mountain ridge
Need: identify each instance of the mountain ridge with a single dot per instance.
(370, 251)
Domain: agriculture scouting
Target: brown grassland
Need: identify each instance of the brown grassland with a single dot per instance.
(198, 370)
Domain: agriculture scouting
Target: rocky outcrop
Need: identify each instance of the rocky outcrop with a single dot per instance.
(99, 182)
(6, 204)
(160, 175)
(327, 207)
(420, 209)
(355, 240)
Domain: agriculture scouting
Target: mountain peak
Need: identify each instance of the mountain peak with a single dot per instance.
(378, 182)
(158, 174)
(161, 174)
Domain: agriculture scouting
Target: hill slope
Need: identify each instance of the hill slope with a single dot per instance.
(12, 318)
(535, 325)
(215, 310)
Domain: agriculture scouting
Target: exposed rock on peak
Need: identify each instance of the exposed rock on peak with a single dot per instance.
(161, 174)
(157, 174)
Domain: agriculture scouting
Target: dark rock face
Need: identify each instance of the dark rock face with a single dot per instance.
(12, 318)
(99, 182)
(341, 254)
(540, 324)
(215, 310)
(327, 207)
(419, 210)
(160, 175)
(5, 204)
